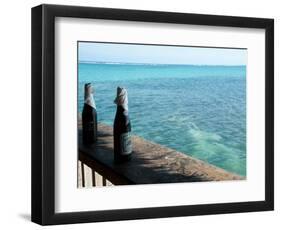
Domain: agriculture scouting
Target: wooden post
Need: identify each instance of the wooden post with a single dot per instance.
(83, 174)
(93, 178)
(103, 181)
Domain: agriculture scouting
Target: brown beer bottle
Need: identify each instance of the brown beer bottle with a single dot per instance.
(122, 128)
(89, 116)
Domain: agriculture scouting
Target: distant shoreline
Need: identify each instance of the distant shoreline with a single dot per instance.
(155, 64)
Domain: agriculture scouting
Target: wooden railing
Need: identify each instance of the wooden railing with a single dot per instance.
(151, 163)
(88, 177)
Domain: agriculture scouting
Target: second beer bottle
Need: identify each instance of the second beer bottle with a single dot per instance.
(122, 128)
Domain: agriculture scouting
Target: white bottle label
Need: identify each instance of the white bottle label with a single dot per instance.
(126, 143)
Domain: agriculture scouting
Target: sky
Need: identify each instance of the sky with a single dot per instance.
(159, 54)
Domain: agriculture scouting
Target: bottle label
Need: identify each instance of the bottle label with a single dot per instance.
(126, 143)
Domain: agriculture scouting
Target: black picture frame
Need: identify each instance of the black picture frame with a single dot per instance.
(43, 114)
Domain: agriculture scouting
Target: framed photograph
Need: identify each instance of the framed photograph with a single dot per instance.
(136, 114)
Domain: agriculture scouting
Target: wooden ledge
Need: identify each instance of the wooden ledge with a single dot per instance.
(151, 163)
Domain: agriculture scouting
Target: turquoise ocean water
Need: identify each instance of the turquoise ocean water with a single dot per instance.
(197, 110)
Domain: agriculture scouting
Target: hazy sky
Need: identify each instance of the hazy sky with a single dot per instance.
(109, 52)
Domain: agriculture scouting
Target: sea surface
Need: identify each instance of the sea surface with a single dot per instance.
(197, 110)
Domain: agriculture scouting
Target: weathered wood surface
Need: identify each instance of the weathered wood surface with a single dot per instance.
(151, 163)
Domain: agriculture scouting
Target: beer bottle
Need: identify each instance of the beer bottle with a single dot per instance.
(89, 116)
(122, 128)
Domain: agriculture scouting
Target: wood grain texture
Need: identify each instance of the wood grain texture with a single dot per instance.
(151, 163)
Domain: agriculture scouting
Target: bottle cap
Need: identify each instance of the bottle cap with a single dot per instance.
(122, 98)
(88, 96)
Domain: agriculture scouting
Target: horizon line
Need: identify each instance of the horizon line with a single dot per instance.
(138, 63)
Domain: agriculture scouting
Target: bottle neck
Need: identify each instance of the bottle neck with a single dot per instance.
(89, 99)
(120, 109)
(122, 118)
